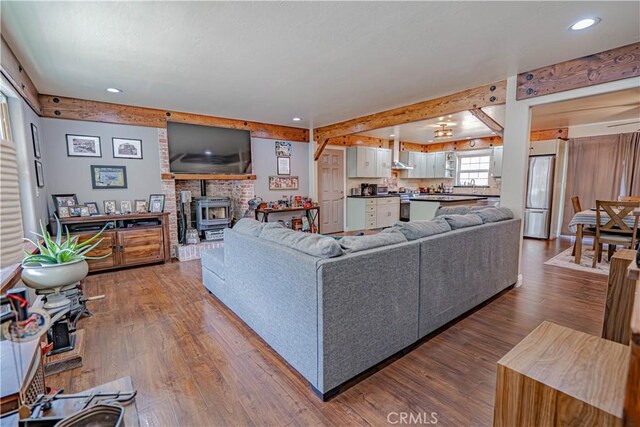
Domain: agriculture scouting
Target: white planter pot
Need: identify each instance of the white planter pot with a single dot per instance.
(53, 278)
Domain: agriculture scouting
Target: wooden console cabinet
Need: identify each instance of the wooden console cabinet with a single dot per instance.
(133, 239)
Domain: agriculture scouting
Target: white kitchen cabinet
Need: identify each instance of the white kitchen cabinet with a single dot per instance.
(543, 148)
(430, 167)
(496, 162)
(440, 164)
(383, 163)
(415, 160)
(373, 212)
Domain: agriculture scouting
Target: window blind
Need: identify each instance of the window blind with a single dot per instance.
(10, 213)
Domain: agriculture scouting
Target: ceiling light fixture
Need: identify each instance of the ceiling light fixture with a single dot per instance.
(392, 135)
(443, 133)
(296, 119)
(584, 23)
(113, 90)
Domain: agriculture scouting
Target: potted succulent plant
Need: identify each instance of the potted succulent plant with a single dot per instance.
(59, 263)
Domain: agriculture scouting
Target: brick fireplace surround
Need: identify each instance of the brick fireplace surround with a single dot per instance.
(240, 192)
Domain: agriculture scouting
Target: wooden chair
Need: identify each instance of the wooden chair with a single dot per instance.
(630, 198)
(615, 231)
(586, 231)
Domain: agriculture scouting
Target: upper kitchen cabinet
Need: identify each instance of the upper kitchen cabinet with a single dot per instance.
(496, 162)
(543, 148)
(368, 162)
(418, 161)
(428, 165)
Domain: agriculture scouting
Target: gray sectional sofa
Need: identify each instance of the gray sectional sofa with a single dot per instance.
(334, 312)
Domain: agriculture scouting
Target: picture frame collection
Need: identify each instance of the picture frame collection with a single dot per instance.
(67, 206)
(283, 180)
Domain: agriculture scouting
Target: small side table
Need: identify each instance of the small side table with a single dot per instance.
(312, 214)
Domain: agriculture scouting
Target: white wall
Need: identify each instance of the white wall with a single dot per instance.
(33, 199)
(594, 129)
(263, 154)
(66, 174)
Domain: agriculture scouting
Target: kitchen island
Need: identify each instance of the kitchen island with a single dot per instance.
(424, 207)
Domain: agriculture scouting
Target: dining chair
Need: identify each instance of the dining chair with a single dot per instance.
(630, 198)
(615, 231)
(586, 231)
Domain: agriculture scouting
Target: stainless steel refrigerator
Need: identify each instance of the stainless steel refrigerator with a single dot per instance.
(537, 214)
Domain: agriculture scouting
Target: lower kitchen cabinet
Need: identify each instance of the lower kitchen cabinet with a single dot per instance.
(374, 212)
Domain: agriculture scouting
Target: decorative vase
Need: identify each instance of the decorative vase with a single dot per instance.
(51, 278)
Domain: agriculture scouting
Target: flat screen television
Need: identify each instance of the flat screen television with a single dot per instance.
(208, 150)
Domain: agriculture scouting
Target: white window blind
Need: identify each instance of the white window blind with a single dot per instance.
(10, 213)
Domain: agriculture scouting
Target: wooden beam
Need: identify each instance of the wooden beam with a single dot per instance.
(94, 111)
(547, 134)
(492, 94)
(320, 149)
(190, 176)
(17, 76)
(488, 121)
(610, 65)
(353, 140)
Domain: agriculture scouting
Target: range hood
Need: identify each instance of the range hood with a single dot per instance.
(396, 164)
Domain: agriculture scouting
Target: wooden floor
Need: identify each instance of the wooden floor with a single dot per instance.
(194, 363)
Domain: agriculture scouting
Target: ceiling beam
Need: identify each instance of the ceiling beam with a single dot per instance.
(491, 94)
(94, 111)
(359, 140)
(488, 121)
(13, 71)
(610, 65)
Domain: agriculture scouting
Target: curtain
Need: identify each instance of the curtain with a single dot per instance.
(601, 168)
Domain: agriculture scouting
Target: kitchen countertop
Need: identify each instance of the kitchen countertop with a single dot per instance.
(446, 199)
(375, 197)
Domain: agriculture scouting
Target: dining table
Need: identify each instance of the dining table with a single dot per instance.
(587, 218)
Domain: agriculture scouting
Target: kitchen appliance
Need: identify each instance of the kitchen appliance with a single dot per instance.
(405, 206)
(537, 214)
(382, 190)
(368, 189)
(356, 191)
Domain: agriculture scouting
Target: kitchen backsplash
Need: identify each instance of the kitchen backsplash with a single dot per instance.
(413, 184)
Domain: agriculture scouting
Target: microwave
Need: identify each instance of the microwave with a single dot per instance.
(382, 189)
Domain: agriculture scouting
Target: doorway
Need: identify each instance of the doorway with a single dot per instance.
(331, 191)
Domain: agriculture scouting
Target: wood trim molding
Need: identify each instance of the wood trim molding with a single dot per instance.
(353, 140)
(192, 176)
(17, 76)
(491, 94)
(95, 111)
(610, 65)
(488, 121)
(481, 143)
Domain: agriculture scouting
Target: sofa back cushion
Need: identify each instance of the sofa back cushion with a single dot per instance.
(387, 237)
(414, 230)
(453, 210)
(311, 244)
(494, 214)
(462, 221)
(249, 227)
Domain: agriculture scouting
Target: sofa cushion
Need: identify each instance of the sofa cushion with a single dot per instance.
(312, 244)
(452, 210)
(462, 221)
(249, 227)
(213, 260)
(414, 230)
(387, 237)
(494, 214)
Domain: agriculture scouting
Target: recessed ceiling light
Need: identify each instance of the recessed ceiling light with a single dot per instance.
(208, 152)
(391, 136)
(431, 140)
(584, 23)
(114, 90)
(296, 119)
(468, 137)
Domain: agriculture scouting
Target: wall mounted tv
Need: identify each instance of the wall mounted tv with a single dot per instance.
(208, 150)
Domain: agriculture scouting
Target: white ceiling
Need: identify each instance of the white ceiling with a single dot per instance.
(464, 126)
(610, 107)
(271, 61)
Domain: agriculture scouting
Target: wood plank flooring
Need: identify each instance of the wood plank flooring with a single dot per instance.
(194, 363)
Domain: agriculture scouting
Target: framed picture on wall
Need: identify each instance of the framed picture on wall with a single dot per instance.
(156, 203)
(36, 141)
(284, 165)
(283, 183)
(108, 177)
(283, 149)
(127, 148)
(39, 174)
(83, 146)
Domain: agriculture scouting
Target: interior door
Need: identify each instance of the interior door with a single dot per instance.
(140, 245)
(331, 190)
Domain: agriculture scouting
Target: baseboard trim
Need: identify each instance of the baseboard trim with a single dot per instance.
(520, 281)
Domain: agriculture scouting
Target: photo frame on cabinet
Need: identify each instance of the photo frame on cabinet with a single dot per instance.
(109, 206)
(93, 208)
(156, 203)
(64, 200)
(125, 206)
(141, 206)
(63, 212)
(124, 148)
(36, 141)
